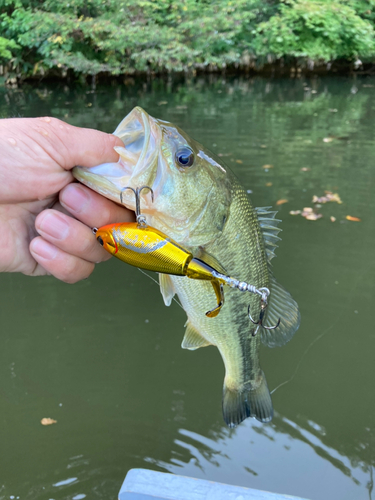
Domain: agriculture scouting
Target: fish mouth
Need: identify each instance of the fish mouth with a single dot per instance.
(138, 132)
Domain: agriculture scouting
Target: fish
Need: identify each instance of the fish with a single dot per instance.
(200, 203)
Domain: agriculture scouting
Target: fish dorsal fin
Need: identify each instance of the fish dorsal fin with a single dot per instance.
(210, 260)
(280, 305)
(193, 339)
(270, 231)
(166, 288)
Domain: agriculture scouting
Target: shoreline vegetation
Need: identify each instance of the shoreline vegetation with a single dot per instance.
(90, 40)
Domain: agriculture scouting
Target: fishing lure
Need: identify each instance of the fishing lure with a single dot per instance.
(145, 247)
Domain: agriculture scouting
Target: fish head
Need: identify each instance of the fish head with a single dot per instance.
(191, 188)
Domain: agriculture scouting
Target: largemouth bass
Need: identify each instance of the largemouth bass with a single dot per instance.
(201, 205)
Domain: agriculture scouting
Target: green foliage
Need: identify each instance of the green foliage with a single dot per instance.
(318, 29)
(6, 47)
(124, 36)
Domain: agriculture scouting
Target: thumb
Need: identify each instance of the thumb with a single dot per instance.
(87, 147)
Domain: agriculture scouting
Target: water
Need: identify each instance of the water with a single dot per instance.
(103, 357)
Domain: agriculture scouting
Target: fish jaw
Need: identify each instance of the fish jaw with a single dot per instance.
(137, 164)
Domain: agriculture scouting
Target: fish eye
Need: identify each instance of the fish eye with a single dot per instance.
(185, 157)
(100, 239)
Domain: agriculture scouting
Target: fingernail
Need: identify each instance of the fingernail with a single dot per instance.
(74, 198)
(44, 249)
(53, 225)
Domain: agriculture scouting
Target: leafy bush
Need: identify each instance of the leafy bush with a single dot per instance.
(105, 36)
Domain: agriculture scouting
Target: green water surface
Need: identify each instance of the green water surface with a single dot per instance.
(103, 357)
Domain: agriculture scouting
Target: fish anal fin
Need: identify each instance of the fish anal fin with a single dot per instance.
(166, 288)
(251, 402)
(193, 339)
(280, 305)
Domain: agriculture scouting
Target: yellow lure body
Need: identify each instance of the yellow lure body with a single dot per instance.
(147, 248)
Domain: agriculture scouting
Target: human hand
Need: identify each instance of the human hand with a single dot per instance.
(37, 196)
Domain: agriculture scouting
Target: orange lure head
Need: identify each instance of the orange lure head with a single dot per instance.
(104, 235)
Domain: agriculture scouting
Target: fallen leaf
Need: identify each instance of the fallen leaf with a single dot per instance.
(268, 184)
(305, 169)
(295, 212)
(328, 197)
(328, 139)
(354, 219)
(266, 167)
(333, 219)
(48, 421)
(239, 161)
(313, 216)
(281, 202)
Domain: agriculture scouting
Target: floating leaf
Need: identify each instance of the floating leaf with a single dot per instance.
(328, 139)
(329, 196)
(48, 421)
(267, 167)
(161, 103)
(268, 184)
(295, 212)
(281, 202)
(354, 219)
(239, 161)
(305, 169)
(313, 216)
(333, 219)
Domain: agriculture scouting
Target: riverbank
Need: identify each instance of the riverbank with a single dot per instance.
(297, 69)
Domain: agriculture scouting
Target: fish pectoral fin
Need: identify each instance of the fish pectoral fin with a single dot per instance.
(210, 260)
(193, 339)
(166, 288)
(248, 402)
(281, 305)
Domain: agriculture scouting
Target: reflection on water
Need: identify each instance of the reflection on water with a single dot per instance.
(296, 455)
(103, 357)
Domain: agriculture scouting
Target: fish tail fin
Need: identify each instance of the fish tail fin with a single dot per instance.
(253, 402)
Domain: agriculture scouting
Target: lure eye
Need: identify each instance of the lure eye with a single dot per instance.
(185, 157)
(100, 239)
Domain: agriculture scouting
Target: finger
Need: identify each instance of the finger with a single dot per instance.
(70, 146)
(70, 235)
(60, 264)
(57, 206)
(91, 208)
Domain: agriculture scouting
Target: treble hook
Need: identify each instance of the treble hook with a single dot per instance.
(141, 219)
(259, 323)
